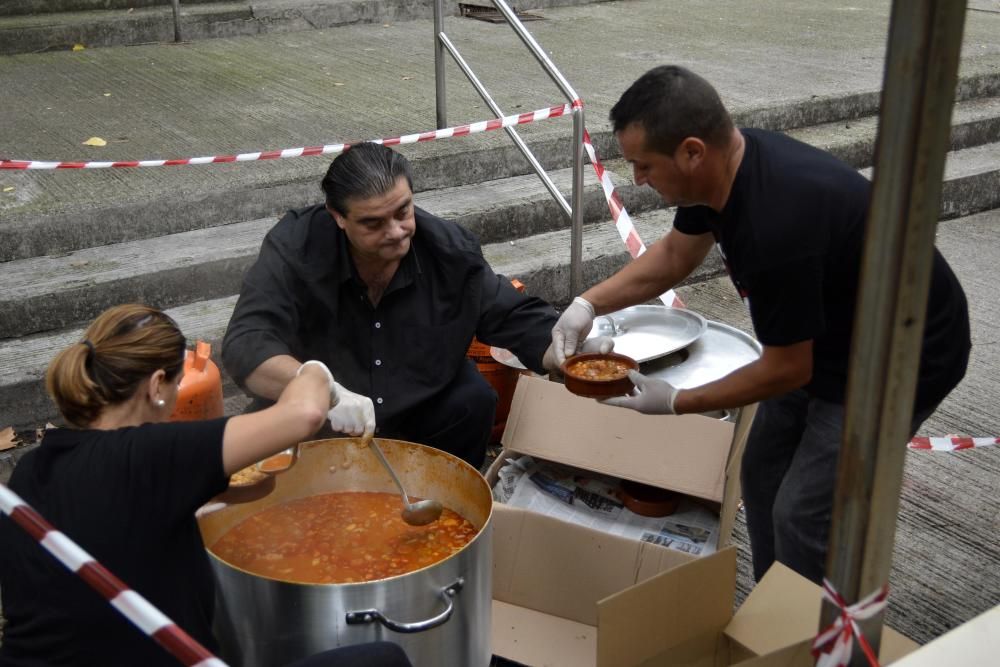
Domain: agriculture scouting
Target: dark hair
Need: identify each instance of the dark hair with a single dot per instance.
(365, 170)
(121, 348)
(672, 103)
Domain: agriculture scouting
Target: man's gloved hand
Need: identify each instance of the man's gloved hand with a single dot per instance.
(651, 396)
(572, 328)
(351, 413)
(601, 344)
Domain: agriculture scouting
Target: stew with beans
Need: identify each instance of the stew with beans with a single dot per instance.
(342, 537)
(599, 369)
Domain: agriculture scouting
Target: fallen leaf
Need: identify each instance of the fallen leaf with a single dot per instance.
(7, 439)
(9, 188)
(95, 141)
(79, 47)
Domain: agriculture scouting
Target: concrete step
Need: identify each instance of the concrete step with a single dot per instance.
(36, 25)
(32, 233)
(53, 291)
(541, 262)
(312, 87)
(24, 7)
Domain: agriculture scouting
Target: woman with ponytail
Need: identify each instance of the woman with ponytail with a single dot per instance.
(124, 483)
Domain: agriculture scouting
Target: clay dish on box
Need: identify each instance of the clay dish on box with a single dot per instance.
(648, 500)
(598, 375)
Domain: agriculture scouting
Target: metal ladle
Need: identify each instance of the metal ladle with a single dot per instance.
(419, 513)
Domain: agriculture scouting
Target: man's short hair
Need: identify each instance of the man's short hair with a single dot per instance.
(672, 103)
(363, 171)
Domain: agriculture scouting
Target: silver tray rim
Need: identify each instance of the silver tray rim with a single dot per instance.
(697, 318)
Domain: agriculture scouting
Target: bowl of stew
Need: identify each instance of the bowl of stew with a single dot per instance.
(597, 375)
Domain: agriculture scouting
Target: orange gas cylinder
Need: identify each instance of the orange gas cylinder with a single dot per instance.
(502, 378)
(200, 393)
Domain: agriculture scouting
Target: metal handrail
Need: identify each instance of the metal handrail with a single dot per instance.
(574, 208)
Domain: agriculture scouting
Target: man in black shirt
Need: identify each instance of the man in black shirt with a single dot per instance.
(389, 297)
(789, 220)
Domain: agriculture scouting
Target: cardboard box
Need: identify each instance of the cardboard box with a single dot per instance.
(695, 455)
(569, 596)
(976, 642)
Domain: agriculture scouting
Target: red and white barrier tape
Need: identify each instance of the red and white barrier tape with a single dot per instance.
(621, 218)
(952, 443)
(130, 604)
(833, 646)
(328, 149)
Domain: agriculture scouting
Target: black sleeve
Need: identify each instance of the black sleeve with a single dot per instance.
(693, 220)
(518, 322)
(786, 302)
(176, 467)
(265, 321)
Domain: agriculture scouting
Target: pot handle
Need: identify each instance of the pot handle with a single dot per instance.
(372, 615)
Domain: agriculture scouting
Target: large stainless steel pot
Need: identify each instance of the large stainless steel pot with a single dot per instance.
(440, 615)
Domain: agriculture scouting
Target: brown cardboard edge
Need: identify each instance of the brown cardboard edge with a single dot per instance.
(732, 492)
(712, 485)
(667, 611)
(783, 609)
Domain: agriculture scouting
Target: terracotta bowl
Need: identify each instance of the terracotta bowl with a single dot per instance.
(581, 385)
(648, 500)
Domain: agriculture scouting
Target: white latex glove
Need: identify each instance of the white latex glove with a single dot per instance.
(601, 344)
(651, 396)
(571, 328)
(351, 413)
(319, 364)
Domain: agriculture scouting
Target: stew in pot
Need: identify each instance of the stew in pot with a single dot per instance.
(342, 537)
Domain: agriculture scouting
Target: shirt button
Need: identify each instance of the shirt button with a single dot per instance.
(378, 325)
(378, 362)
(379, 400)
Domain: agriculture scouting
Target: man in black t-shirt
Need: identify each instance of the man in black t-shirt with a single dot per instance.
(789, 220)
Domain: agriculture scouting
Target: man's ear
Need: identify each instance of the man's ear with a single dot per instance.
(690, 154)
(338, 218)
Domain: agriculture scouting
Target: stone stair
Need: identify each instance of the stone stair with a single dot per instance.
(31, 26)
(181, 238)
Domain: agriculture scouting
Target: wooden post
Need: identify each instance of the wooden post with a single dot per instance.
(921, 71)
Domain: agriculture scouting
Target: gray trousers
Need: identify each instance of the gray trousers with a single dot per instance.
(788, 475)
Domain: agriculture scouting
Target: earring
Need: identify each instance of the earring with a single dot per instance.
(160, 403)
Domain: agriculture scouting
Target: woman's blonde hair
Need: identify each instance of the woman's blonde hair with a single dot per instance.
(121, 348)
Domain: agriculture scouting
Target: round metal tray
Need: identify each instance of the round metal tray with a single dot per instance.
(643, 332)
(718, 352)
(649, 332)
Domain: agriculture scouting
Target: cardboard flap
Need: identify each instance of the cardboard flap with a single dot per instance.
(686, 454)
(684, 604)
(563, 569)
(796, 655)
(783, 609)
(976, 642)
(533, 638)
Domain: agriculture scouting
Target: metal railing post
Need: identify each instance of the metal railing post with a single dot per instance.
(921, 72)
(574, 208)
(576, 203)
(176, 6)
(439, 82)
